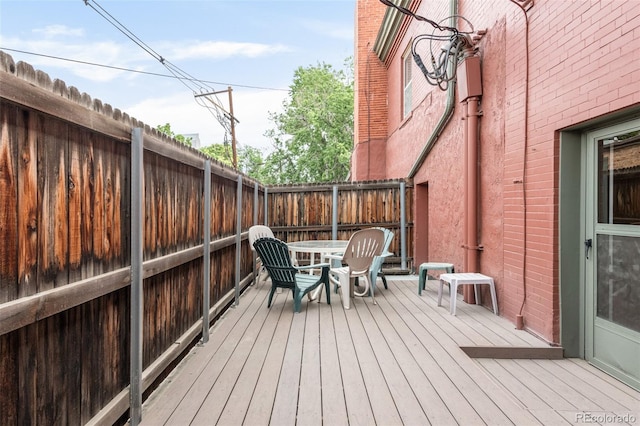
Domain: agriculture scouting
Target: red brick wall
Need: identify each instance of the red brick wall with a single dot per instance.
(583, 64)
(370, 121)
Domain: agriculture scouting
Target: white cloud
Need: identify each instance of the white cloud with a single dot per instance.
(223, 50)
(103, 52)
(127, 55)
(52, 31)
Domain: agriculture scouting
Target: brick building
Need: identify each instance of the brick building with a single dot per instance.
(527, 169)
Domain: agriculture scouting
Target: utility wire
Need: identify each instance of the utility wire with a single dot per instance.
(451, 43)
(124, 30)
(418, 17)
(195, 85)
(93, 64)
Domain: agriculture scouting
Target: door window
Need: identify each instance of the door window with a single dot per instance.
(618, 256)
(619, 179)
(618, 292)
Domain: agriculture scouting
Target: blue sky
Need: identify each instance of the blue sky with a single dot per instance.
(252, 46)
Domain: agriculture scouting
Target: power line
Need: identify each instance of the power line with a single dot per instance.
(93, 64)
(195, 85)
(445, 46)
(408, 12)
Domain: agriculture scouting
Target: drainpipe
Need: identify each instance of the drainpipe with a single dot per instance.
(442, 124)
(471, 193)
(448, 110)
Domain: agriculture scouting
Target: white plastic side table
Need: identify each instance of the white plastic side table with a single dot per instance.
(466, 278)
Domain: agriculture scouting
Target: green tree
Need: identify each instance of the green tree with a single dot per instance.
(220, 152)
(313, 137)
(251, 163)
(166, 129)
(250, 160)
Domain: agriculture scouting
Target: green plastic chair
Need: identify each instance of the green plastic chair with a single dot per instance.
(277, 260)
(376, 266)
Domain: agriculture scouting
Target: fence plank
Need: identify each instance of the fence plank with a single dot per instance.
(27, 203)
(52, 196)
(8, 204)
(9, 378)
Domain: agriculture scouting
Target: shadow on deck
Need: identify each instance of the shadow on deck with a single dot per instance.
(398, 362)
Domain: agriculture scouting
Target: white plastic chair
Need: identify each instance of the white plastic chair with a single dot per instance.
(363, 247)
(256, 232)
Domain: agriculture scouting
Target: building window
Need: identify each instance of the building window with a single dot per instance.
(407, 63)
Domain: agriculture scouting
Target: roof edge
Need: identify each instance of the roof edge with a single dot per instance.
(389, 30)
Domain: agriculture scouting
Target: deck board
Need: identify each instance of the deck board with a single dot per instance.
(310, 393)
(382, 402)
(604, 377)
(334, 409)
(259, 411)
(355, 392)
(286, 398)
(397, 362)
(182, 379)
(491, 404)
(584, 386)
(440, 392)
(238, 402)
(406, 402)
(221, 389)
(204, 383)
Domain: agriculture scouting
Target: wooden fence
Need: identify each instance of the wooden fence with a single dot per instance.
(67, 279)
(334, 211)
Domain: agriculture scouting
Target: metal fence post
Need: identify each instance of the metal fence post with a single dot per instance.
(403, 228)
(137, 200)
(334, 218)
(206, 260)
(238, 239)
(266, 191)
(256, 203)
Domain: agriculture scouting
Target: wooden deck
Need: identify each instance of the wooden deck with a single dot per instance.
(399, 362)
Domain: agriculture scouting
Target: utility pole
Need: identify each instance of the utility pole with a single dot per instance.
(233, 130)
(229, 115)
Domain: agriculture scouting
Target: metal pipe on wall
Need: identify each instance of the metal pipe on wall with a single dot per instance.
(403, 227)
(471, 193)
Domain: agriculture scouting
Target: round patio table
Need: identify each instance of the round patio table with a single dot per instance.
(320, 247)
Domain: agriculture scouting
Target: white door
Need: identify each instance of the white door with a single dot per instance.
(612, 251)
